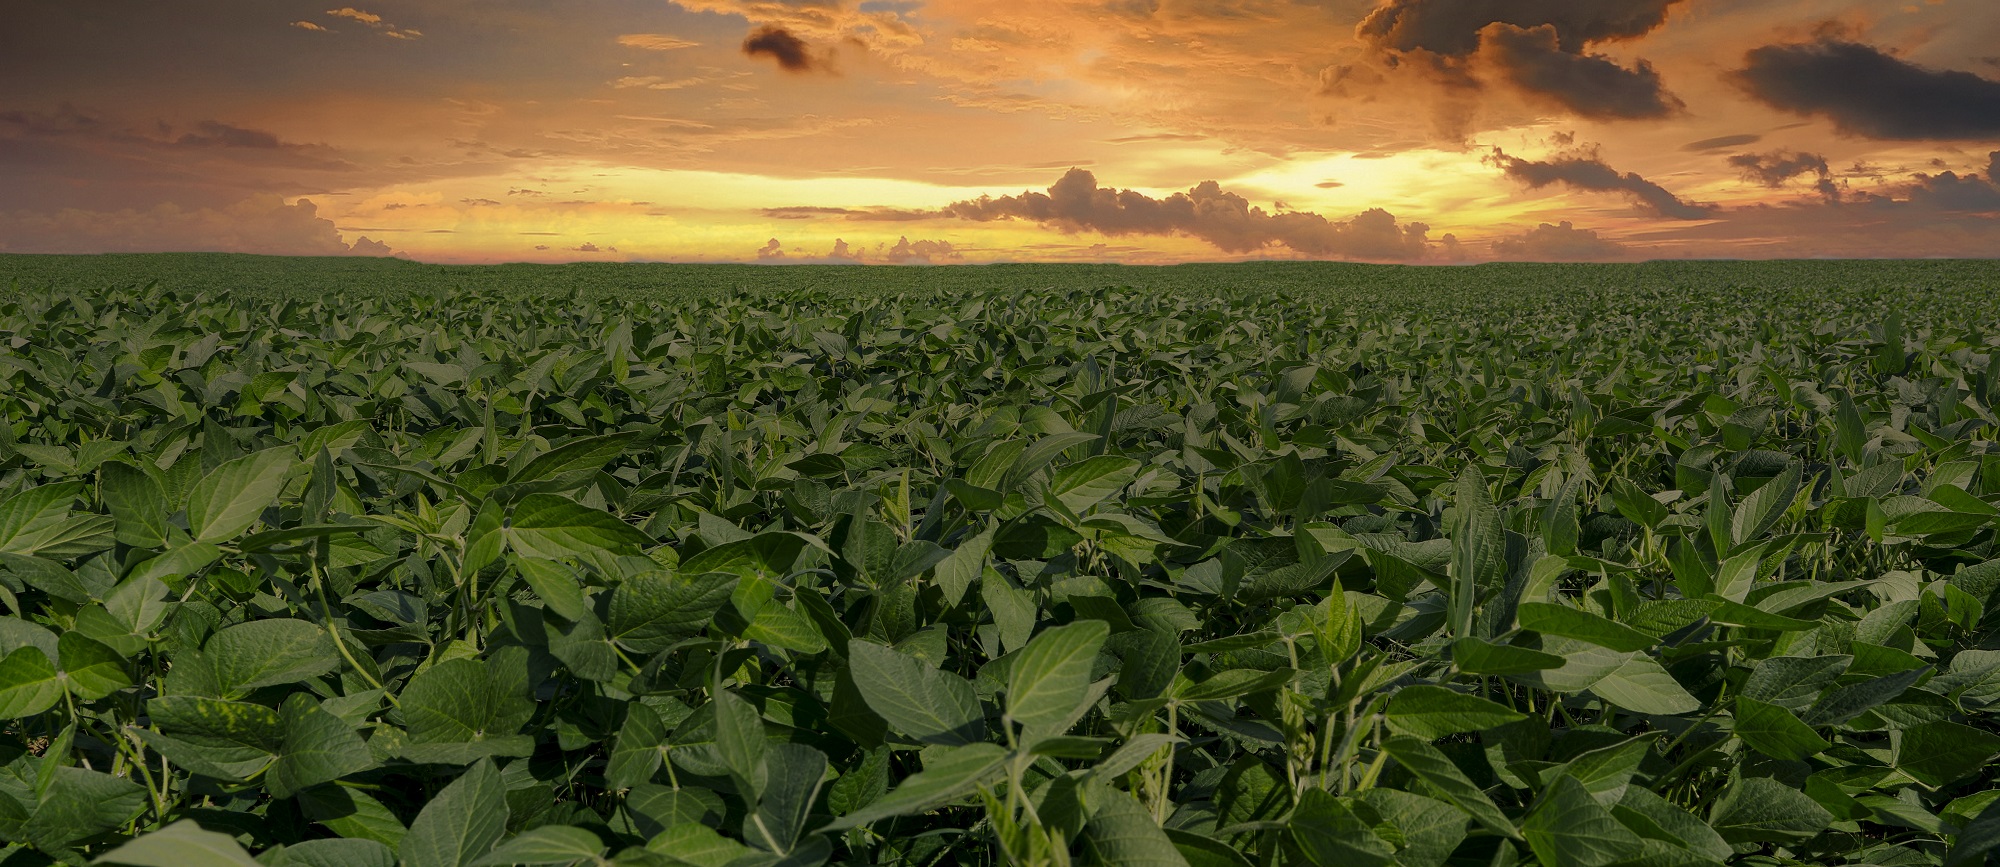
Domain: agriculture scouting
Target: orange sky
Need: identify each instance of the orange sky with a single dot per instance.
(1004, 130)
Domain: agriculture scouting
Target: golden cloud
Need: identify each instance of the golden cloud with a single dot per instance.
(654, 41)
(369, 18)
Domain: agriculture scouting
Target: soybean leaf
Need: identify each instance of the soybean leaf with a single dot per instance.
(460, 825)
(1430, 712)
(180, 844)
(550, 527)
(1089, 482)
(232, 496)
(1048, 679)
(1553, 619)
(1427, 763)
(1122, 832)
(948, 775)
(549, 844)
(1567, 828)
(1775, 731)
(1764, 810)
(1332, 836)
(917, 700)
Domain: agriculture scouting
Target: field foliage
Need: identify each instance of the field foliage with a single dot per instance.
(368, 563)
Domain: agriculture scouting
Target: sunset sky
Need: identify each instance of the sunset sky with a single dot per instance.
(945, 131)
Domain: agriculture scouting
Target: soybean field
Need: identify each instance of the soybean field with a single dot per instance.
(359, 563)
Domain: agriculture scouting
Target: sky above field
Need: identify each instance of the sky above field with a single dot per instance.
(945, 131)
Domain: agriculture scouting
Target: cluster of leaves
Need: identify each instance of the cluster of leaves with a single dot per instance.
(1579, 577)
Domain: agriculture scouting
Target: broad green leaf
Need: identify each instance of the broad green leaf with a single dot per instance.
(1775, 731)
(318, 748)
(1203, 851)
(966, 562)
(1605, 773)
(31, 520)
(1568, 828)
(1082, 485)
(181, 844)
(549, 844)
(1037, 456)
(1233, 683)
(636, 753)
(1552, 619)
(353, 814)
(949, 774)
(460, 825)
(551, 528)
(570, 465)
(739, 738)
(1121, 832)
(1429, 764)
(28, 683)
(651, 611)
(1793, 682)
(1429, 830)
(1049, 677)
(1764, 810)
(1430, 712)
(77, 804)
(1478, 547)
(766, 555)
(792, 777)
(1838, 705)
(332, 852)
(1939, 753)
(230, 498)
(1761, 511)
(1133, 752)
(692, 844)
(460, 703)
(1331, 835)
(1978, 837)
(137, 504)
(1479, 656)
(1653, 818)
(917, 700)
(559, 588)
(227, 740)
(1642, 686)
(90, 669)
(264, 653)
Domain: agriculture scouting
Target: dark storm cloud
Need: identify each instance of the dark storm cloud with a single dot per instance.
(1993, 167)
(1932, 215)
(211, 133)
(1227, 220)
(73, 157)
(1563, 242)
(1591, 85)
(89, 129)
(1451, 27)
(1534, 46)
(1775, 168)
(1866, 92)
(1591, 174)
(1951, 192)
(777, 43)
(255, 225)
(1721, 143)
